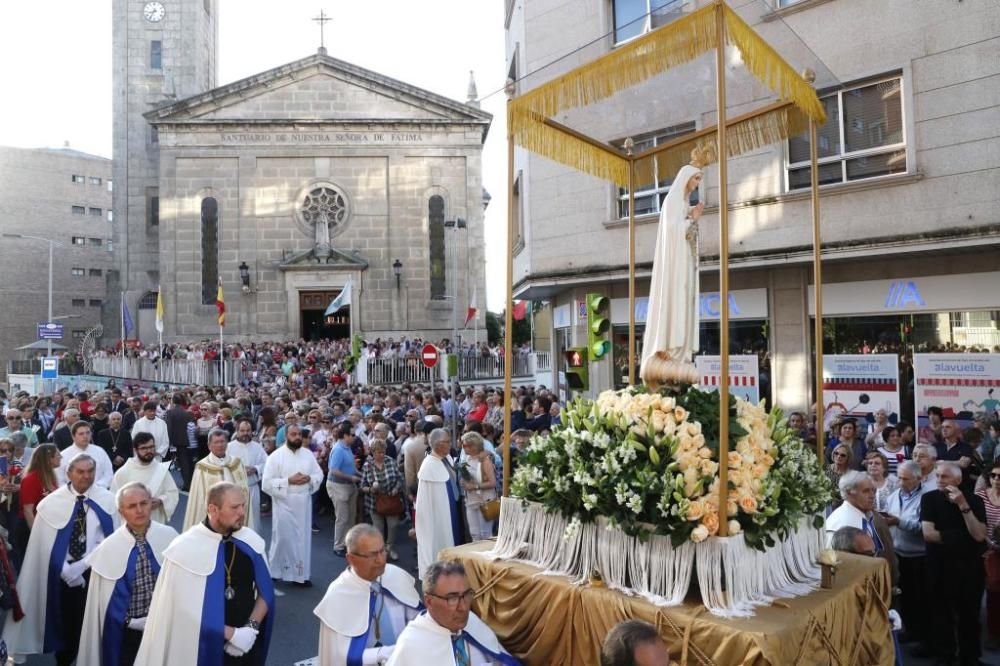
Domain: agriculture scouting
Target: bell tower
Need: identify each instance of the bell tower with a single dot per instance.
(163, 51)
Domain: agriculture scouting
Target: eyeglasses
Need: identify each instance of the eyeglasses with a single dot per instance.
(13, 418)
(839, 455)
(454, 599)
(995, 476)
(381, 552)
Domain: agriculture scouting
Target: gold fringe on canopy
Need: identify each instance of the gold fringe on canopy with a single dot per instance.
(674, 44)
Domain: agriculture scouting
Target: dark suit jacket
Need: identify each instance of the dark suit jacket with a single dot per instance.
(106, 440)
(62, 437)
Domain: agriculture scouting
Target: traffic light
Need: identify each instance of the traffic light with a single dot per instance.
(598, 326)
(577, 373)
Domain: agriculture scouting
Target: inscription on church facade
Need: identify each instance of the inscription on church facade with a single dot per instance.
(304, 138)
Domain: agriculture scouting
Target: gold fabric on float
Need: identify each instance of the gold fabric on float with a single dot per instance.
(548, 621)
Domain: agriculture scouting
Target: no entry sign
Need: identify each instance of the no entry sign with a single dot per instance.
(429, 355)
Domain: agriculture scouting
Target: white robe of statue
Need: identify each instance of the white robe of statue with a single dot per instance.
(672, 315)
(291, 512)
(254, 458)
(155, 476)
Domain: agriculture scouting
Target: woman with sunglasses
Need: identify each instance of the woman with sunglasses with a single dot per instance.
(840, 466)
(991, 499)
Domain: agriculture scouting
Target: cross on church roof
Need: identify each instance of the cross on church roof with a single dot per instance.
(322, 19)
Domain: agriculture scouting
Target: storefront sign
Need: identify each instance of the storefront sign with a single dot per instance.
(937, 293)
(858, 385)
(743, 304)
(962, 385)
(743, 375)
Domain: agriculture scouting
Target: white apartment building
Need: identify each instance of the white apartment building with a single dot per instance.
(909, 173)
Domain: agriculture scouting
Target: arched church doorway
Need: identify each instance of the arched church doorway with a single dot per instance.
(316, 325)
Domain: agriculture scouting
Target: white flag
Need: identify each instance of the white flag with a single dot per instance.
(343, 298)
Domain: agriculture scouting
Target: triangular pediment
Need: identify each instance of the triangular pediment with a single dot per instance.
(323, 258)
(318, 88)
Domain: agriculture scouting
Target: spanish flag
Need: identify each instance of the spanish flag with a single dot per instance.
(220, 305)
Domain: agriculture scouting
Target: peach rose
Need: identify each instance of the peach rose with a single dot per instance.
(696, 510)
(748, 503)
(735, 460)
(711, 522)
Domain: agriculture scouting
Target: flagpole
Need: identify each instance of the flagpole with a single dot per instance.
(121, 318)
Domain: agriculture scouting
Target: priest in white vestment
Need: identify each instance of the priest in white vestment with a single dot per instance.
(291, 476)
(449, 633)
(123, 571)
(214, 468)
(438, 523)
(82, 444)
(366, 607)
(214, 594)
(69, 524)
(154, 425)
(144, 468)
(253, 457)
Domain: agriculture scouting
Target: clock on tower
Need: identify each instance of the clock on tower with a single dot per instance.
(153, 12)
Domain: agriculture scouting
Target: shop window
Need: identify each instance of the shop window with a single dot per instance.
(863, 136)
(435, 211)
(209, 250)
(648, 199)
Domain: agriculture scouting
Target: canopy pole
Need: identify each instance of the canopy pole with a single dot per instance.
(817, 281)
(508, 310)
(631, 264)
(720, 103)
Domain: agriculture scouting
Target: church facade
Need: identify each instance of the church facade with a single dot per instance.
(289, 185)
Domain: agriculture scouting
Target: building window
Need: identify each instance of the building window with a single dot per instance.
(79, 210)
(110, 247)
(435, 211)
(95, 302)
(648, 200)
(80, 180)
(152, 206)
(634, 17)
(79, 334)
(78, 272)
(148, 301)
(96, 242)
(96, 212)
(96, 272)
(79, 302)
(863, 136)
(155, 54)
(79, 240)
(209, 250)
(154, 135)
(111, 216)
(110, 185)
(95, 180)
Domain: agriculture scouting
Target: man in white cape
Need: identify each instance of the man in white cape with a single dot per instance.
(144, 468)
(253, 457)
(216, 467)
(438, 522)
(214, 600)
(52, 584)
(123, 572)
(81, 444)
(367, 606)
(449, 633)
(291, 476)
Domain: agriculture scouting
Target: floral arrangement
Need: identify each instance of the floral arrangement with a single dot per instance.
(649, 463)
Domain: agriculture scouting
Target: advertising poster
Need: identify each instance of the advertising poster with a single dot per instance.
(743, 375)
(858, 385)
(962, 385)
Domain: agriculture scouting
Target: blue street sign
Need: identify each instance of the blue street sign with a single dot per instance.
(50, 331)
(50, 367)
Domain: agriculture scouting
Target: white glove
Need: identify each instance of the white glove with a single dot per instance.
(137, 623)
(243, 638)
(232, 650)
(895, 620)
(72, 574)
(383, 654)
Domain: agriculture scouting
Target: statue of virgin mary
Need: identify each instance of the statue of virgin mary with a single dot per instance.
(671, 335)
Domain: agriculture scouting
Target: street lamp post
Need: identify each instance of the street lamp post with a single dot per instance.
(456, 224)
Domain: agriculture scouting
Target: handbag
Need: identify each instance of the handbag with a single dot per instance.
(389, 505)
(490, 510)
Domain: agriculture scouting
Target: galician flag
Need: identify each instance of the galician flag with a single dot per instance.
(343, 298)
(471, 312)
(159, 309)
(220, 305)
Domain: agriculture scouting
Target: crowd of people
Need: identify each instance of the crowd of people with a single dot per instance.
(926, 500)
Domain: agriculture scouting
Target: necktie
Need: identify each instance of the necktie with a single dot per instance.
(78, 537)
(869, 527)
(462, 657)
(381, 622)
(142, 586)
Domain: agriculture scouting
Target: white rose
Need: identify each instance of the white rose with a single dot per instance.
(699, 534)
(734, 527)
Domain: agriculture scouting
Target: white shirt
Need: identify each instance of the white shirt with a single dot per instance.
(156, 427)
(103, 475)
(845, 515)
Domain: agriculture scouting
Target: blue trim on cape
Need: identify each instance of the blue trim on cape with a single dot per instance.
(456, 520)
(117, 610)
(53, 640)
(357, 648)
(502, 657)
(212, 639)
